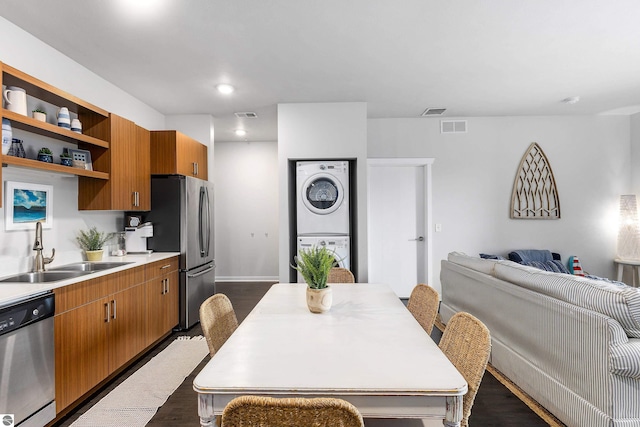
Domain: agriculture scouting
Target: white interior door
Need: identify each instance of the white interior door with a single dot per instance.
(398, 220)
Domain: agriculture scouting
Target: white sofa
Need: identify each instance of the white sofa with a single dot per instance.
(571, 343)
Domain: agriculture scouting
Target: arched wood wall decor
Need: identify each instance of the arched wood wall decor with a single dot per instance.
(535, 195)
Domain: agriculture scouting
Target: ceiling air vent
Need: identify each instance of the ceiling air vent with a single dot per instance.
(433, 112)
(453, 126)
(246, 115)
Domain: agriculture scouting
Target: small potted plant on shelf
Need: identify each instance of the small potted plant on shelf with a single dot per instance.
(39, 115)
(45, 155)
(92, 242)
(66, 159)
(314, 265)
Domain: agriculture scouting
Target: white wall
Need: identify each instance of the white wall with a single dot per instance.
(322, 130)
(246, 211)
(30, 55)
(473, 175)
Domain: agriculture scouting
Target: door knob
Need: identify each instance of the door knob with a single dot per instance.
(417, 239)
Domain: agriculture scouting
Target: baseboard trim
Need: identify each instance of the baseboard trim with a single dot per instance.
(247, 279)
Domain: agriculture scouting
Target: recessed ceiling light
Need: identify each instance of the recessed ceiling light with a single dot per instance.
(241, 132)
(143, 8)
(225, 88)
(571, 100)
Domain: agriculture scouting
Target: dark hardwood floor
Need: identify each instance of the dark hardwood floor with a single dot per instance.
(495, 405)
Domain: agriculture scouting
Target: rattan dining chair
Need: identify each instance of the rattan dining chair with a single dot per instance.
(258, 411)
(423, 305)
(340, 275)
(467, 343)
(218, 321)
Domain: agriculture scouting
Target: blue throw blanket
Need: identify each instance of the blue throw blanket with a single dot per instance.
(524, 256)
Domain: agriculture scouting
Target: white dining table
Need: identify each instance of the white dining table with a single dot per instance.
(368, 349)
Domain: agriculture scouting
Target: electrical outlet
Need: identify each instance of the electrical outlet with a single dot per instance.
(438, 228)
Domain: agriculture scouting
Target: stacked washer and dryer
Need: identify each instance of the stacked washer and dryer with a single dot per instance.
(322, 207)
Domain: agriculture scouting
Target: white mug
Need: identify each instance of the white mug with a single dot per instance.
(16, 99)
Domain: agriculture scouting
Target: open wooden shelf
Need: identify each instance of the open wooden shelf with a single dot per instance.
(47, 92)
(29, 124)
(51, 167)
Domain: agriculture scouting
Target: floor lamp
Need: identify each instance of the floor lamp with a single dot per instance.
(629, 231)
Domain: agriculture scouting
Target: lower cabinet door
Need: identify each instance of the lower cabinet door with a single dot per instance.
(127, 326)
(82, 350)
(162, 298)
(172, 296)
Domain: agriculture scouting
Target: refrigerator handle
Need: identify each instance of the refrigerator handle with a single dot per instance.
(191, 276)
(207, 237)
(200, 220)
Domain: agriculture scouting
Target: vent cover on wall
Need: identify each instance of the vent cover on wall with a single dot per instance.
(433, 112)
(246, 115)
(453, 126)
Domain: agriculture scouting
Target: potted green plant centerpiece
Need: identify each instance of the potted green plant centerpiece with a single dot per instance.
(314, 265)
(45, 155)
(92, 242)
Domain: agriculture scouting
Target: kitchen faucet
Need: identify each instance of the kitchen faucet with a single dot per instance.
(39, 261)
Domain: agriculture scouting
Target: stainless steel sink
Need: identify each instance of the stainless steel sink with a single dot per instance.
(89, 267)
(43, 276)
(63, 272)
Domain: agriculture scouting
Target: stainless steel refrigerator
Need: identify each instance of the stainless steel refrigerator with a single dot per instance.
(182, 217)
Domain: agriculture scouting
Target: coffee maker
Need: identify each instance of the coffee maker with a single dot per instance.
(136, 238)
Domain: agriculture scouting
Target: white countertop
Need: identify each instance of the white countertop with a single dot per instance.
(10, 292)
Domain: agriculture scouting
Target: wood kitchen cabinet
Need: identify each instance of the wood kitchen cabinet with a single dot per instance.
(173, 152)
(81, 343)
(128, 326)
(127, 160)
(162, 298)
(100, 324)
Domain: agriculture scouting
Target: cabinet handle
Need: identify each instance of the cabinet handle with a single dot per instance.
(107, 313)
(165, 266)
(136, 199)
(166, 285)
(195, 168)
(114, 309)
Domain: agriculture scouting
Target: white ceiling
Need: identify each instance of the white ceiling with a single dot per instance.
(473, 57)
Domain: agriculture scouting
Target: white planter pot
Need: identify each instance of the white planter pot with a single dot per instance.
(41, 117)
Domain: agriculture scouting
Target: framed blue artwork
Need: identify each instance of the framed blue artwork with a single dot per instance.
(26, 204)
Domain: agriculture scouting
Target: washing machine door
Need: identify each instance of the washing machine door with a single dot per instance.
(322, 194)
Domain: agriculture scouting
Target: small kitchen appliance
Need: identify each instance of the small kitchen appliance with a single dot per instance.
(136, 238)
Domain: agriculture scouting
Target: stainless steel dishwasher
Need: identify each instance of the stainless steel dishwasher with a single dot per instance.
(27, 381)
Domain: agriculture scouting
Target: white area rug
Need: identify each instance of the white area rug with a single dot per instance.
(134, 402)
